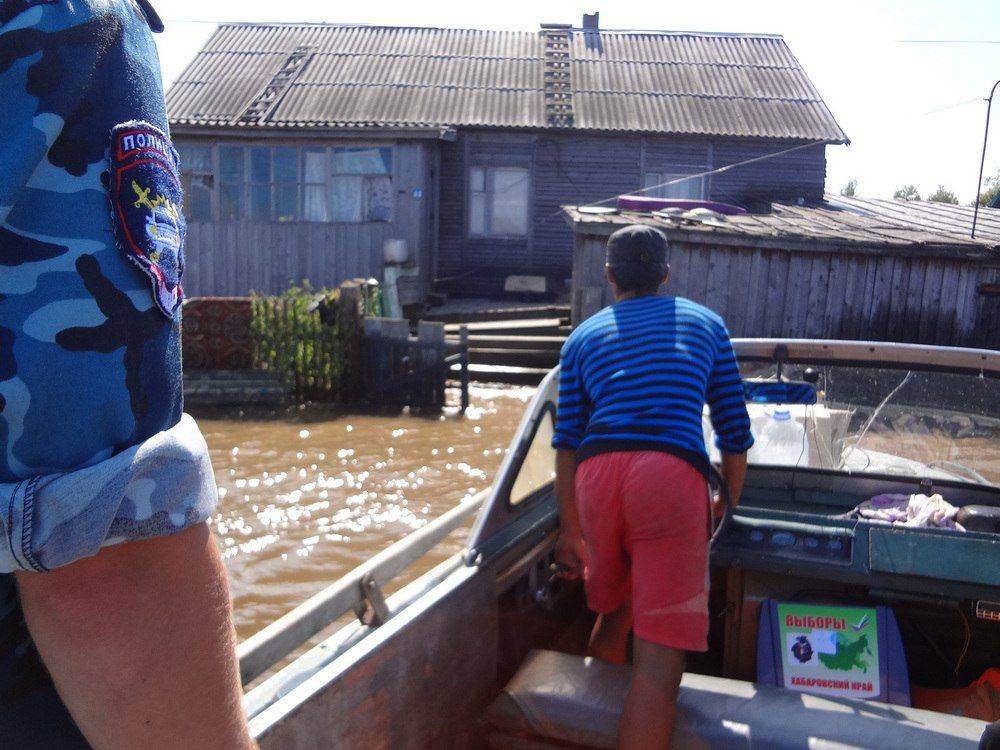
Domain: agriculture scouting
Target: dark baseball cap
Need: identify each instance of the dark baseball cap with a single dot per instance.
(638, 245)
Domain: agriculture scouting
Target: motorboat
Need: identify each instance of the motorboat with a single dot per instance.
(831, 627)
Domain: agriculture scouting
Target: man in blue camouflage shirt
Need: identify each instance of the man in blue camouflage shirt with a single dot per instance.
(105, 485)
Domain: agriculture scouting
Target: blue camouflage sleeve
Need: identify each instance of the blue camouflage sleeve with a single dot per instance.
(94, 446)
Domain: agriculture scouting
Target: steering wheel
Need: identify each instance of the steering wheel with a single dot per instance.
(716, 484)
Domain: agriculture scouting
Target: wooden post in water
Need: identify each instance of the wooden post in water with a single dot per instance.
(386, 360)
(349, 317)
(430, 385)
(463, 340)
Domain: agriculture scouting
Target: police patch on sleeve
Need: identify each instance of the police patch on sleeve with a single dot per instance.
(145, 190)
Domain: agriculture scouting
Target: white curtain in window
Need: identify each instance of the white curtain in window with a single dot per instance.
(346, 198)
(314, 171)
(687, 190)
(362, 160)
(314, 165)
(477, 214)
(510, 201)
(314, 203)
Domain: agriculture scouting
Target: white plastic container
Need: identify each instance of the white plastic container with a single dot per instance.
(781, 441)
(396, 251)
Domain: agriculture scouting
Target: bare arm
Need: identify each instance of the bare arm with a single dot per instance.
(570, 548)
(140, 644)
(569, 518)
(734, 471)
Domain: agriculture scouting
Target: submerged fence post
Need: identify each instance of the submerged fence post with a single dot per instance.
(430, 338)
(463, 341)
(350, 313)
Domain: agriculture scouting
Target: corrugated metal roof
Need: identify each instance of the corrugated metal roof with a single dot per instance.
(927, 215)
(376, 76)
(842, 221)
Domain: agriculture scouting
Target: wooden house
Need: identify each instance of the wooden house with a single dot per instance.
(307, 149)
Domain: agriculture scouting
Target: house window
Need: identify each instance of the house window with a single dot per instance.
(693, 189)
(197, 180)
(498, 201)
(290, 183)
(315, 206)
(361, 184)
(231, 182)
(286, 183)
(259, 183)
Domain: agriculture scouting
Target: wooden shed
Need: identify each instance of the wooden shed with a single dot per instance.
(841, 269)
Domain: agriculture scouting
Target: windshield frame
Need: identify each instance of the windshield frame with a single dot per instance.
(870, 355)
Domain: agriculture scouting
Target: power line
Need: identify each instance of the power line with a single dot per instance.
(948, 41)
(718, 170)
(951, 106)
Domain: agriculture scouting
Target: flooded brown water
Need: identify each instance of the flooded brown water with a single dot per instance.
(308, 495)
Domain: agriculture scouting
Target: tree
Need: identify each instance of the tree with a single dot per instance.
(991, 189)
(943, 195)
(907, 193)
(849, 189)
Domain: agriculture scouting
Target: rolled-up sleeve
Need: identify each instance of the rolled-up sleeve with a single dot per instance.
(94, 447)
(573, 407)
(730, 419)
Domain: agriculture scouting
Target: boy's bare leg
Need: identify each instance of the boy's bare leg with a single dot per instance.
(648, 719)
(140, 644)
(609, 638)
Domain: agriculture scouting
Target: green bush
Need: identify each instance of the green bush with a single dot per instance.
(290, 338)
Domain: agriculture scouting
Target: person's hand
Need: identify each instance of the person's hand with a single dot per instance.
(718, 506)
(570, 555)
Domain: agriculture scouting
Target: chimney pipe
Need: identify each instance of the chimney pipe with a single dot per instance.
(591, 21)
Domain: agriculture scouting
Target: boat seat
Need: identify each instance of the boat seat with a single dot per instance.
(983, 518)
(558, 699)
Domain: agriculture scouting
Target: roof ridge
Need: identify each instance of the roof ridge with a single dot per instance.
(348, 25)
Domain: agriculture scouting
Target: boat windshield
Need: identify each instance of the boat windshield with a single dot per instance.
(882, 420)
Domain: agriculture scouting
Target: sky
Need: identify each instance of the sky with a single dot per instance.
(914, 112)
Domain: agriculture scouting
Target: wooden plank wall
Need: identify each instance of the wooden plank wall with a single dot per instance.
(231, 259)
(574, 168)
(768, 292)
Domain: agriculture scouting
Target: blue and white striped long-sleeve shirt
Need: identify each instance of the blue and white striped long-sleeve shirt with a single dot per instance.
(636, 376)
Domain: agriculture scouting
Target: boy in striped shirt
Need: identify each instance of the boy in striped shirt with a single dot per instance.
(631, 472)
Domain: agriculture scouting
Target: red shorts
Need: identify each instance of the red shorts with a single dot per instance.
(645, 518)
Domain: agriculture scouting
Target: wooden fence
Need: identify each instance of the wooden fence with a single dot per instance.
(401, 369)
(810, 291)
